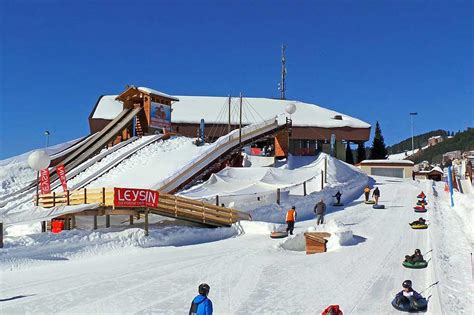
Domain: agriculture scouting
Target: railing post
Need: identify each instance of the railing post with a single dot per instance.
(54, 199)
(217, 200)
(1, 234)
(278, 195)
(67, 197)
(203, 213)
(103, 196)
(304, 188)
(175, 206)
(322, 179)
(85, 195)
(146, 222)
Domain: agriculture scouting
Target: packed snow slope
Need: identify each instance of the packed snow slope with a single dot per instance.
(123, 272)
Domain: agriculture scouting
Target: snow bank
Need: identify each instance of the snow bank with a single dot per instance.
(340, 236)
(74, 244)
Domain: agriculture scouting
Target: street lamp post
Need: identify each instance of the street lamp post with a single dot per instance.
(412, 141)
(47, 133)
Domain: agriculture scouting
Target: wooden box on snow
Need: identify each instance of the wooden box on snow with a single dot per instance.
(316, 242)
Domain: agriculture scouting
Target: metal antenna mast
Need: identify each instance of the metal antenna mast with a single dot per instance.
(282, 85)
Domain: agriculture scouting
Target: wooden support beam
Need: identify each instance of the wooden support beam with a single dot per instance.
(1, 234)
(304, 188)
(146, 222)
(95, 222)
(278, 195)
(43, 226)
(322, 179)
(107, 220)
(131, 219)
(73, 221)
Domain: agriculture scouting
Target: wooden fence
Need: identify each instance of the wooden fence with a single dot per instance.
(168, 205)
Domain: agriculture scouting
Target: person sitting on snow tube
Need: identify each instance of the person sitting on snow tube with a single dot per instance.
(421, 195)
(416, 257)
(409, 300)
(332, 310)
(420, 221)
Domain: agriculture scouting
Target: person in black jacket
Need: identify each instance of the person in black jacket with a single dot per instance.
(416, 257)
(376, 195)
(338, 197)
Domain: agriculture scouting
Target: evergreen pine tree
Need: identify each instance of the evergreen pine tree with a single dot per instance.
(361, 154)
(349, 156)
(378, 150)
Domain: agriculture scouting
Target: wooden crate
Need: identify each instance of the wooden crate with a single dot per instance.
(316, 242)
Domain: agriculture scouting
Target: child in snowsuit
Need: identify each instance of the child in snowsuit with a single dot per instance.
(419, 221)
(319, 210)
(338, 197)
(376, 195)
(416, 257)
(367, 193)
(290, 220)
(201, 304)
(408, 295)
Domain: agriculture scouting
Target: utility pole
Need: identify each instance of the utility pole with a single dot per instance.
(282, 85)
(47, 133)
(240, 120)
(412, 129)
(228, 126)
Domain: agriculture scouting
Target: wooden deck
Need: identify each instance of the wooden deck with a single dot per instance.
(168, 205)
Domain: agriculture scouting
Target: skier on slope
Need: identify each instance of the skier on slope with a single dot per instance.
(290, 219)
(338, 197)
(201, 304)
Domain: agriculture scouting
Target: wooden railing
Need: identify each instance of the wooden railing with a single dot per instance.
(168, 205)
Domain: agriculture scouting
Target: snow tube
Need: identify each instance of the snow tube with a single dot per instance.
(370, 202)
(415, 265)
(378, 206)
(278, 234)
(338, 204)
(421, 305)
(419, 209)
(419, 226)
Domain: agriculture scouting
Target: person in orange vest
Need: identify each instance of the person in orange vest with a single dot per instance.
(367, 193)
(290, 219)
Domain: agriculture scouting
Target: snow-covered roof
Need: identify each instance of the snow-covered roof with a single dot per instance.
(108, 107)
(155, 92)
(214, 109)
(388, 162)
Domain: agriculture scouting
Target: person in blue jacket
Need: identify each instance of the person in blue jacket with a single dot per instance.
(408, 299)
(201, 304)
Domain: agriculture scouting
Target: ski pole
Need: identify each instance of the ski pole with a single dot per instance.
(431, 285)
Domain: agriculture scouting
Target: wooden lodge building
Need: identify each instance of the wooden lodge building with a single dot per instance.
(312, 126)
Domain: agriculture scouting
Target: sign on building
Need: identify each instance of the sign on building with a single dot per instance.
(160, 116)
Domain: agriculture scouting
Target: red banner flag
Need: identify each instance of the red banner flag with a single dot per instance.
(44, 183)
(131, 197)
(62, 176)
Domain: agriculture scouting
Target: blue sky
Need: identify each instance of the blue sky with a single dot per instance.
(375, 60)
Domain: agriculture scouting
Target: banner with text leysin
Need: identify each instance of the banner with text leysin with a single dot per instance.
(45, 185)
(133, 197)
(61, 170)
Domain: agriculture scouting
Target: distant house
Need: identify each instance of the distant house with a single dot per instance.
(434, 140)
(435, 174)
(390, 168)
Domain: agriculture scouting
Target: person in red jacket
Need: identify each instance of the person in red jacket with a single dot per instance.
(290, 219)
(332, 310)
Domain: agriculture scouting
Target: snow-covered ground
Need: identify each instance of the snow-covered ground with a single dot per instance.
(122, 271)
